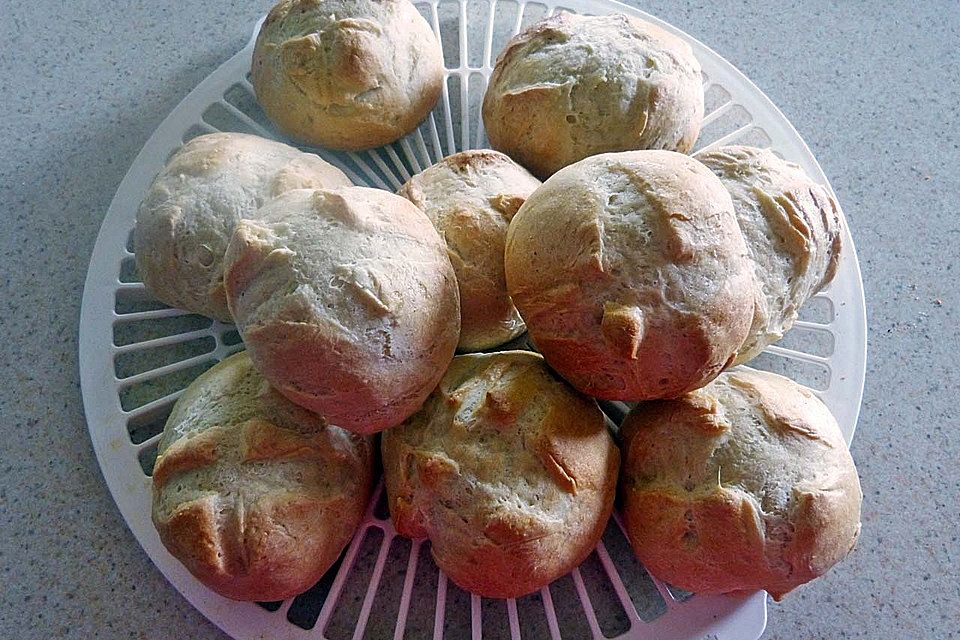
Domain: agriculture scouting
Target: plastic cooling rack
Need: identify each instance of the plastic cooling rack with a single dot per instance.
(138, 355)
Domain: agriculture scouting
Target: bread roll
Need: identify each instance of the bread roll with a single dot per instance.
(471, 197)
(193, 205)
(631, 274)
(793, 231)
(346, 301)
(508, 471)
(347, 74)
(572, 86)
(745, 484)
(256, 496)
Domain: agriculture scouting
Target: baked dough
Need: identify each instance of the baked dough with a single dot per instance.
(631, 274)
(347, 74)
(508, 471)
(745, 484)
(193, 205)
(793, 230)
(471, 197)
(256, 496)
(573, 86)
(346, 301)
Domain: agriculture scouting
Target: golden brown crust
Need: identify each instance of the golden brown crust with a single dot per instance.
(254, 495)
(347, 74)
(745, 484)
(509, 472)
(185, 455)
(347, 302)
(631, 275)
(471, 197)
(572, 86)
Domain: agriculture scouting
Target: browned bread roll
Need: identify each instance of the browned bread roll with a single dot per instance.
(508, 471)
(572, 86)
(256, 496)
(745, 484)
(793, 232)
(346, 301)
(347, 74)
(471, 197)
(189, 213)
(631, 274)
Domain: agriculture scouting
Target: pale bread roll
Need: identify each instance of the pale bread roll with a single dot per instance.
(347, 74)
(745, 484)
(573, 86)
(346, 301)
(509, 472)
(193, 205)
(793, 231)
(471, 197)
(256, 496)
(631, 274)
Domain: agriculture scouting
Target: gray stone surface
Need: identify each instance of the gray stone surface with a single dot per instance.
(872, 87)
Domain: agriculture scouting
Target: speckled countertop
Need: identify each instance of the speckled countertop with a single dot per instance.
(872, 87)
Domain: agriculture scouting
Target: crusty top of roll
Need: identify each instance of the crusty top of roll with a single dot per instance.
(255, 495)
(631, 274)
(745, 484)
(471, 197)
(793, 231)
(346, 301)
(347, 74)
(190, 210)
(508, 470)
(572, 86)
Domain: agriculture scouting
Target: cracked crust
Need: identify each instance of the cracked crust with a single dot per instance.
(745, 484)
(471, 197)
(508, 471)
(631, 274)
(793, 231)
(347, 74)
(254, 495)
(347, 303)
(572, 86)
(193, 205)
